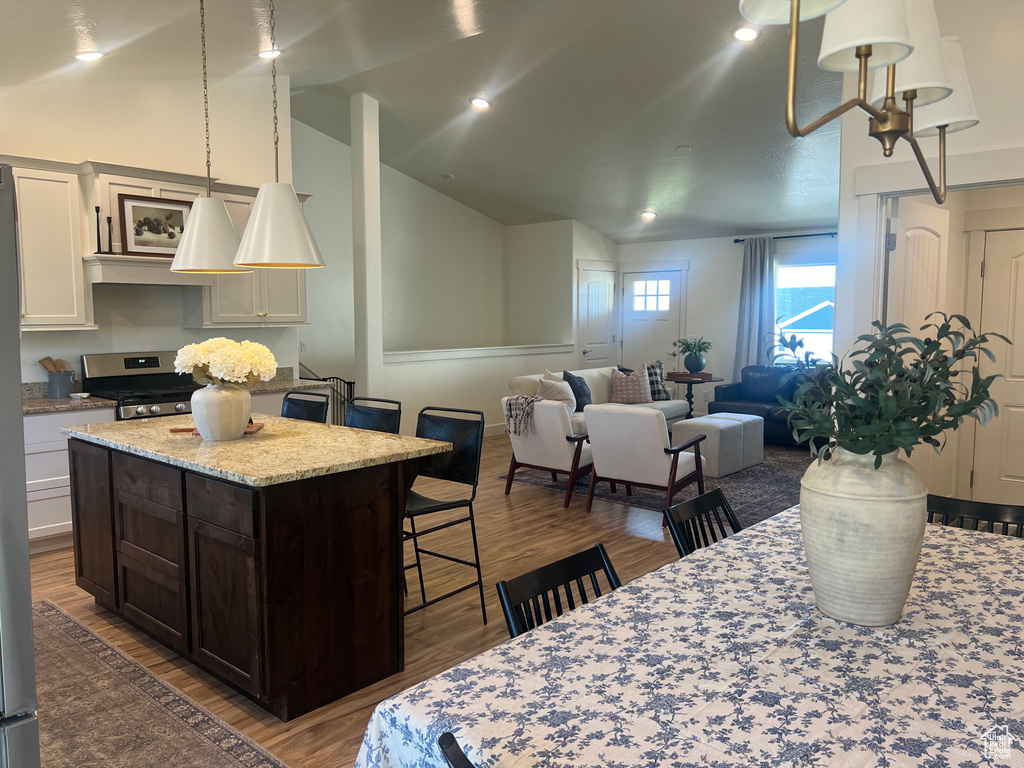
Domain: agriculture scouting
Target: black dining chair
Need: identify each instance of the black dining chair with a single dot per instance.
(962, 513)
(465, 431)
(526, 600)
(308, 406)
(692, 522)
(453, 754)
(374, 413)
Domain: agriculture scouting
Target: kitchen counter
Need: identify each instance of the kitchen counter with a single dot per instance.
(31, 405)
(285, 450)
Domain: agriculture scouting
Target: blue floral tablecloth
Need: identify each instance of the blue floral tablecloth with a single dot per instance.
(722, 659)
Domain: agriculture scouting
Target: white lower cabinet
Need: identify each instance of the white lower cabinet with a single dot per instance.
(48, 485)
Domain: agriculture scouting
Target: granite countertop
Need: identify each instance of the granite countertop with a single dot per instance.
(283, 451)
(32, 405)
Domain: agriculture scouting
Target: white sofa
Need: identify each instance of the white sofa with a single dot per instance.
(600, 382)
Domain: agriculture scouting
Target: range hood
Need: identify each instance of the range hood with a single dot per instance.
(138, 270)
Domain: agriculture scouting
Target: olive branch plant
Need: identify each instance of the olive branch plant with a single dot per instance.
(895, 391)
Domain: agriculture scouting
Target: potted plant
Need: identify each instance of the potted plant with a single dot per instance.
(694, 349)
(862, 507)
(220, 410)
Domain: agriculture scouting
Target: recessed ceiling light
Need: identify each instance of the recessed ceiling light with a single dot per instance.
(746, 34)
(447, 176)
(273, 53)
(648, 215)
(683, 148)
(479, 103)
(89, 55)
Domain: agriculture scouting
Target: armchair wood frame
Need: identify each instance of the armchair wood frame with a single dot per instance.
(574, 473)
(671, 488)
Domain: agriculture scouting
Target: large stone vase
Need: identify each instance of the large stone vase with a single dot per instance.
(862, 531)
(221, 412)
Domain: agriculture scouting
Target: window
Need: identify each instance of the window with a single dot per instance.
(650, 295)
(804, 305)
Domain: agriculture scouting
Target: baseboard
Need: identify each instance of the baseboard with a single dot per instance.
(50, 543)
(490, 430)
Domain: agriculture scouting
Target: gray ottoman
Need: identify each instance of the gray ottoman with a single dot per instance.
(723, 448)
(753, 436)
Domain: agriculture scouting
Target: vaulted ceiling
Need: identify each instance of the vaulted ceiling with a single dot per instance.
(591, 98)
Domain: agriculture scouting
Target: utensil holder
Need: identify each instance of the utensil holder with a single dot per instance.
(62, 384)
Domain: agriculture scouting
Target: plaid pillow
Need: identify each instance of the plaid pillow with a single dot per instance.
(656, 375)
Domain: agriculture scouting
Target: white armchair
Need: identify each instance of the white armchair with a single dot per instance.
(630, 446)
(548, 444)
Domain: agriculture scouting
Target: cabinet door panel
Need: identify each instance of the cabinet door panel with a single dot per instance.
(226, 623)
(50, 248)
(93, 521)
(236, 298)
(284, 295)
(154, 600)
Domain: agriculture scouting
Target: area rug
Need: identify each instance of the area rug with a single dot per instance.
(754, 494)
(98, 707)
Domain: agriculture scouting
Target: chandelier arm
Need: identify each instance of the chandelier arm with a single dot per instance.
(938, 190)
(860, 100)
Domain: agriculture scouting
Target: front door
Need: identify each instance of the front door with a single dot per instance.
(596, 306)
(651, 317)
(999, 445)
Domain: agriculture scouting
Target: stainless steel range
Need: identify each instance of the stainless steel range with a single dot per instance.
(143, 384)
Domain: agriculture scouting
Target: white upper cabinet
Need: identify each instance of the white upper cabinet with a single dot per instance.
(262, 297)
(53, 295)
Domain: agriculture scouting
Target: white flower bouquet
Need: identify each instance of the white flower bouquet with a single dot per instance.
(223, 361)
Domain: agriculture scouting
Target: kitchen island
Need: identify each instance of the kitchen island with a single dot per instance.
(273, 561)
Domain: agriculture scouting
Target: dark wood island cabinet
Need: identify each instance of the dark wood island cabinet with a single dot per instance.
(273, 562)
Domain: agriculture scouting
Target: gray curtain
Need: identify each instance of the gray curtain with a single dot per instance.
(757, 305)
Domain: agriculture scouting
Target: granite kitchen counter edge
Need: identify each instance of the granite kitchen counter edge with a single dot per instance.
(285, 450)
(33, 405)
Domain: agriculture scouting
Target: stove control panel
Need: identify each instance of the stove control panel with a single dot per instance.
(161, 409)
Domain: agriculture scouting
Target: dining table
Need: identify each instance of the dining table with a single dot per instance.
(721, 658)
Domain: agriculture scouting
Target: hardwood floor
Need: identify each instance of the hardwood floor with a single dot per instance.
(517, 533)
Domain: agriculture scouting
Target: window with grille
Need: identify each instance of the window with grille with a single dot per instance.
(650, 295)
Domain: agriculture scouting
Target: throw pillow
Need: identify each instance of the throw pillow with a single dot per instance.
(580, 390)
(633, 389)
(551, 376)
(626, 371)
(656, 375)
(549, 389)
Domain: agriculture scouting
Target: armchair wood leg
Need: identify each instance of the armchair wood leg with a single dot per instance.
(512, 467)
(590, 493)
(629, 489)
(554, 477)
(612, 484)
(574, 474)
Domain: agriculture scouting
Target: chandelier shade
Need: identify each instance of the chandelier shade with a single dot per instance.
(882, 24)
(778, 11)
(924, 70)
(278, 235)
(209, 242)
(957, 112)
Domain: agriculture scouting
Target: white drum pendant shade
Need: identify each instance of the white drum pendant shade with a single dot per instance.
(209, 242)
(958, 111)
(882, 24)
(777, 11)
(277, 234)
(925, 69)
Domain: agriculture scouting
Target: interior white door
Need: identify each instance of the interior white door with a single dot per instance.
(596, 307)
(917, 266)
(917, 287)
(651, 317)
(999, 445)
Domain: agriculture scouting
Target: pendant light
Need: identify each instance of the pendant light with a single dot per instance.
(209, 242)
(277, 235)
(923, 71)
(957, 113)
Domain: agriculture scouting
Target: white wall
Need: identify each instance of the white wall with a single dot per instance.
(154, 125)
(538, 283)
(140, 318)
(151, 124)
(443, 269)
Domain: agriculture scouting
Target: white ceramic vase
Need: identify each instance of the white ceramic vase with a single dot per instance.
(221, 412)
(862, 530)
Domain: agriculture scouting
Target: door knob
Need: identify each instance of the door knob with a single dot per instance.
(586, 351)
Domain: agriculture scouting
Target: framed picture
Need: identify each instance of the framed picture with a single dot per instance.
(151, 226)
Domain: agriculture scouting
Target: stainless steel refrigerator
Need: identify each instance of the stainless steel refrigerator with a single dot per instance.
(19, 729)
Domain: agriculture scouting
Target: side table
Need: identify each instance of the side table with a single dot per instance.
(689, 379)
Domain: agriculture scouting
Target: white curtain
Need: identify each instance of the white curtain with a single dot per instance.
(757, 305)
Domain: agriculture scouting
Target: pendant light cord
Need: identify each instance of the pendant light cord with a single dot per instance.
(206, 92)
(273, 83)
